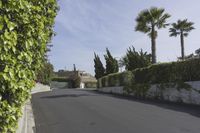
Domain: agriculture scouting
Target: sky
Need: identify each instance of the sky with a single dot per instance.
(86, 26)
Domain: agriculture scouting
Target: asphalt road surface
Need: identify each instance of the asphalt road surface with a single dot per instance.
(78, 111)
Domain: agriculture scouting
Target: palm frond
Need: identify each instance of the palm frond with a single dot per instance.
(152, 17)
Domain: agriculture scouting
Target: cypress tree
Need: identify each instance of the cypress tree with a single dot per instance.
(111, 63)
(99, 68)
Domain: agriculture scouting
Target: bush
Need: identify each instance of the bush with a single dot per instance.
(25, 29)
(45, 74)
(169, 72)
(166, 74)
(115, 79)
(90, 85)
(60, 79)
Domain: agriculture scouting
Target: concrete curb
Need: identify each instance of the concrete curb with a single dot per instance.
(26, 123)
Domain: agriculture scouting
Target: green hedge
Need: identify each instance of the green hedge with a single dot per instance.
(116, 79)
(169, 72)
(26, 26)
(60, 79)
(91, 85)
(155, 74)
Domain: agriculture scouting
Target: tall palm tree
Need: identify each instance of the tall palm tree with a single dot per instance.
(148, 21)
(182, 28)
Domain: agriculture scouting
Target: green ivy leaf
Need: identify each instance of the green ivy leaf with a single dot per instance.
(11, 25)
(1, 22)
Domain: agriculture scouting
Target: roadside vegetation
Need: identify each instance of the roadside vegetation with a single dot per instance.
(26, 27)
(142, 69)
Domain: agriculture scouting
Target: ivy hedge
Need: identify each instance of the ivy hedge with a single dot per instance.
(60, 79)
(115, 79)
(26, 26)
(169, 72)
(139, 79)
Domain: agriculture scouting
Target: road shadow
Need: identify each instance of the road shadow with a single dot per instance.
(180, 107)
(67, 96)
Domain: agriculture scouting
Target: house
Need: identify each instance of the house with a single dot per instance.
(87, 80)
(77, 79)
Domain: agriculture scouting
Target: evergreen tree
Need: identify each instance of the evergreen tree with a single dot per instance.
(134, 59)
(111, 63)
(99, 68)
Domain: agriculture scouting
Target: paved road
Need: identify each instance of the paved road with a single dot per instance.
(76, 111)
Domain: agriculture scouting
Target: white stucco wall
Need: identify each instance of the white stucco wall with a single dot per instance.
(191, 96)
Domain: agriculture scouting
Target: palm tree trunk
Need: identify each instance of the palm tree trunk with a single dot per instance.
(153, 45)
(182, 47)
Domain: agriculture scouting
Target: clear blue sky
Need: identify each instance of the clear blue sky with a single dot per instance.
(87, 26)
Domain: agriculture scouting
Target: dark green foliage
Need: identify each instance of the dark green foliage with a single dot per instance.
(91, 85)
(76, 82)
(111, 63)
(165, 75)
(134, 59)
(26, 27)
(115, 79)
(60, 79)
(99, 68)
(45, 74)
(169, 72)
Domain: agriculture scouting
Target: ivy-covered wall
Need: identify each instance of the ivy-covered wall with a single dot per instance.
(26, 26)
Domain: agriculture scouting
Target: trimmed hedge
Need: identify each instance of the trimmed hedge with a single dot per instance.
(26, 26)
(116, 79)
(169, 72)
(173, 72)
(60, 79)
(91, 85)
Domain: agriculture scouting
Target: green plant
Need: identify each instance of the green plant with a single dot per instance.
(134, 59)
(111, 63)
(115, 79)
(60, 79)
(26, 26)
(99, 68)
(91, 85)
(165, 75)
(147, 22)
(181, 71)
(45, 74)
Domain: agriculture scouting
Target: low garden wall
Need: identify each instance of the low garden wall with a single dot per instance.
(176, 82)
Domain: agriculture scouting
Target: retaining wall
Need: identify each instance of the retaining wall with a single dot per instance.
(188, 96)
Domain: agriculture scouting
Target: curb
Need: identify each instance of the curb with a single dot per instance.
(26, 123)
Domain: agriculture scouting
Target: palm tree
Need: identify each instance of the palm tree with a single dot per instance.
(182, 28)
(148, 21)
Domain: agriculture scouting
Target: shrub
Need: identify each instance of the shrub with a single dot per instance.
(45, 74)
(172, 74)
(115, 79)
(60, 79)
(169, 72)
(91, 85)
(134, 59)
(25, 29)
